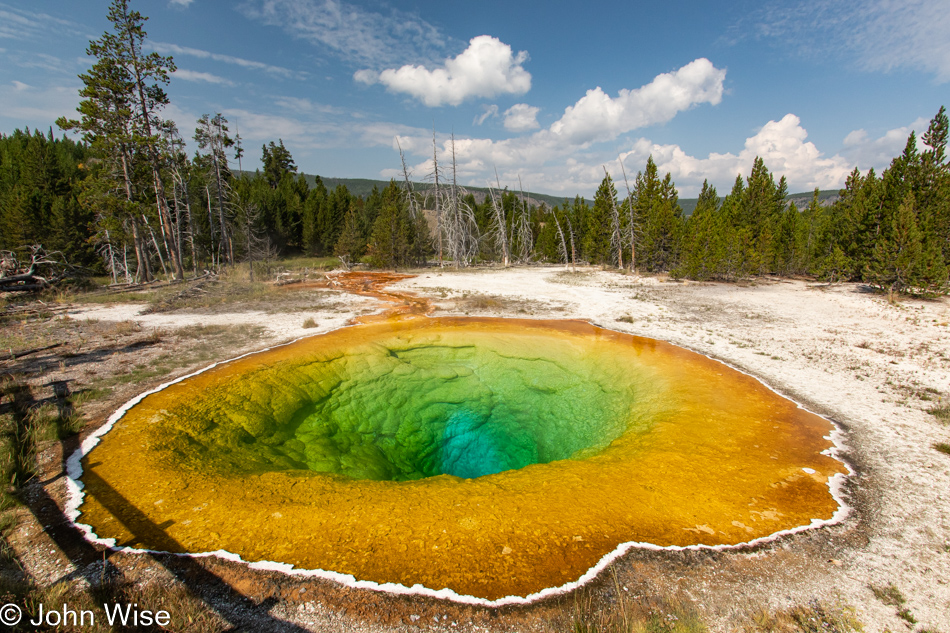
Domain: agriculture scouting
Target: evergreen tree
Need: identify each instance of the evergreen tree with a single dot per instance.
(596, 244)
(659, 216)
(901, 261)
(392, 233)
(277, 163)
(703, 248)
(351, 243)
(122, 98)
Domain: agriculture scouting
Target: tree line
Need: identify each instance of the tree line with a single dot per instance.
(128, 200)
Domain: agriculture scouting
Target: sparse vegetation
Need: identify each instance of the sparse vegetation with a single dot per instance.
(481, 303)
(635, 614)
(815, 617)
(309, 323)
(941, 412)
(891, 596)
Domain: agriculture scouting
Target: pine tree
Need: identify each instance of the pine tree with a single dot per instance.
(277, 162)
(351, 244)
(598, 225)
(392, 232)
(703, 248)
(122, 98)
(901, 262)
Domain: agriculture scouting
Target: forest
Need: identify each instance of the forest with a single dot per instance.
(128, 201)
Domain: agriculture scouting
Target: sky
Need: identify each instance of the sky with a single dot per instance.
(550, 94)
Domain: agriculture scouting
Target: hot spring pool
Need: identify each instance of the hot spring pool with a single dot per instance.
(488, 457)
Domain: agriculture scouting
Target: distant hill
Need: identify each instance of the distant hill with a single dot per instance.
(826, 198)
(364, 186)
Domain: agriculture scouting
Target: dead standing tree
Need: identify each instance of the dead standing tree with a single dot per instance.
(568, 256)
(616, 239)
(410, 194)
(456, 225)
(212, 135)
(499, 226)
(521, 237)
(632, 224)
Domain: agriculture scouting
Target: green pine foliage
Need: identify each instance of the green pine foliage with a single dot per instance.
(39, 196)
(128, 196)
(399, 240)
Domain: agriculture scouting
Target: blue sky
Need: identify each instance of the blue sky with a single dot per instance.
(548, 91)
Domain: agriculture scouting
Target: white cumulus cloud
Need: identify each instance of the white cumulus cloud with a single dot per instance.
(599, 117)
(866, 152)
(781, 144)
(487, 68)
(560, 158)
(521, 117)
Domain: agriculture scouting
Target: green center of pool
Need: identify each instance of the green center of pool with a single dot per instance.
(402, 410)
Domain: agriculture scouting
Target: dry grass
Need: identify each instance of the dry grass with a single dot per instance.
(310, 323)
(635, 615)
(475, 302)
(815, 617)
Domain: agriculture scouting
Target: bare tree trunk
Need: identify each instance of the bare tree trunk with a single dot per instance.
(111, 255)
(523, 229)
(211, 227)
(160, 199)
(155, 243)
(410, 197)
(567, 259)
(143, 271)
(501, 224)
(616, 241)
(570, 230)
(438, 210)
(500, 229)
(633, 238)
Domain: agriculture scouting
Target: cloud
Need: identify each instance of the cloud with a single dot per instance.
(876, 35)
(865, 152)
(491, 111)
(781, 144)
(181, 3)
(192, 75)
(549, 166)
(348, 31)
(174, 49)
(560, 157)
(18, 24)
(487, 68)
(598, 117)
(23, 104)
(521, 117)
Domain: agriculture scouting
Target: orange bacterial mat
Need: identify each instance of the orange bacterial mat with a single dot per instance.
(487, 457)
